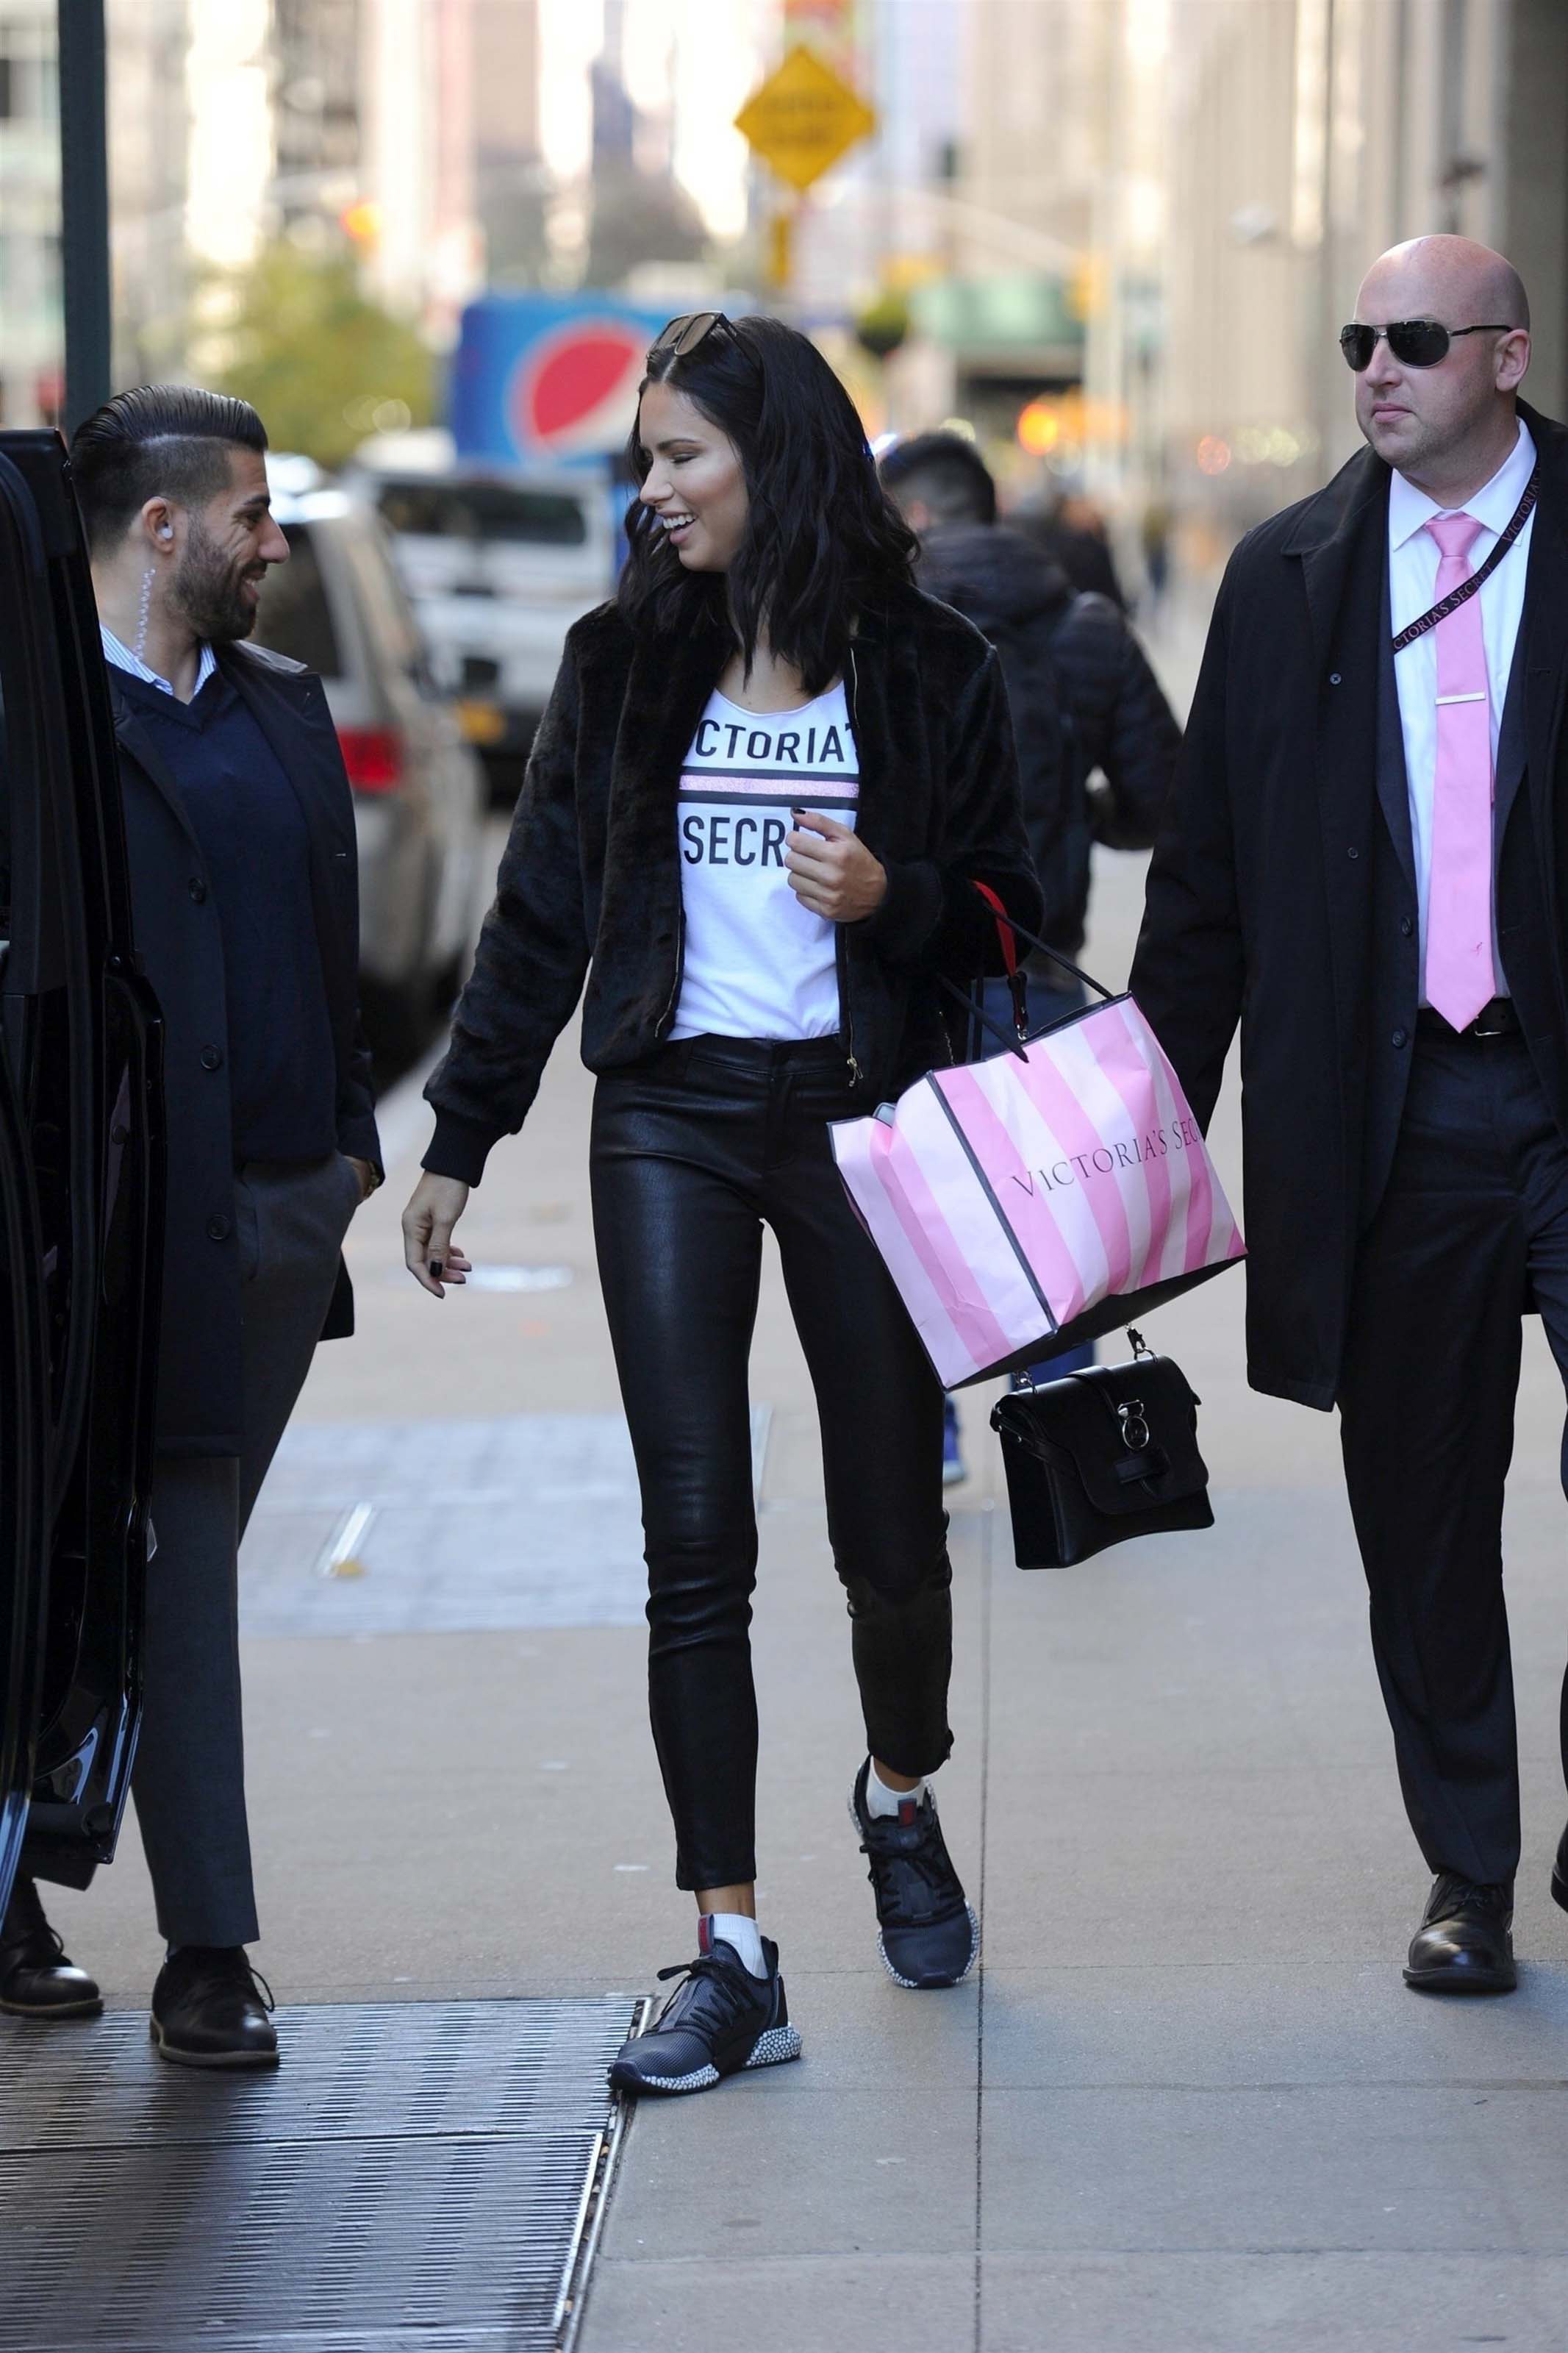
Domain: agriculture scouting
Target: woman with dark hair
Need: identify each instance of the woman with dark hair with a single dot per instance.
(768, 776)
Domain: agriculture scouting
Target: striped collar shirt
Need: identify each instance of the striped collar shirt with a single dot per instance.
(124, 659)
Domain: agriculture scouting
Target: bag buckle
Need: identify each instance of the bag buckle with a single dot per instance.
(1134, 1424)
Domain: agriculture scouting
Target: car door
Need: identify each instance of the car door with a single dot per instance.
(81, 1204)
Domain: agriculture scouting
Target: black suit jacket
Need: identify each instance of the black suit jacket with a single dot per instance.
(1275, 897)
(179, 944)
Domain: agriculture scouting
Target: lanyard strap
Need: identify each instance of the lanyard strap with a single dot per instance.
(1470, 588)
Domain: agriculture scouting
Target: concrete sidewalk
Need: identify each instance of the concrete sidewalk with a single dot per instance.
(1189, 2104)
(1186, 2104)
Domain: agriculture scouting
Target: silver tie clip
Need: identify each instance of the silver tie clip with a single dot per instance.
(1461, 698)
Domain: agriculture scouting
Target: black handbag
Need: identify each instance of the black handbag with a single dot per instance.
(1101, 1456)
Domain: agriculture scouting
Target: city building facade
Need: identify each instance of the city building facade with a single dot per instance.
(30, 353)
(1305, 139)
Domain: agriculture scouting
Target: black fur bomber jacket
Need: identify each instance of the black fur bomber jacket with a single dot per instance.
(590, 881)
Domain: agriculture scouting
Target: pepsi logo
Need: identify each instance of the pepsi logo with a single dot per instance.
(573, 390)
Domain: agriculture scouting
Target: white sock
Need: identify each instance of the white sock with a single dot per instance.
(743, 1936)
(881, 1803)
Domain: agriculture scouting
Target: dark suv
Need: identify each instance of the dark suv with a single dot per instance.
(81, 1204)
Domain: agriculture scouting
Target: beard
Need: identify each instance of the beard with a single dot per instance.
(208, 589)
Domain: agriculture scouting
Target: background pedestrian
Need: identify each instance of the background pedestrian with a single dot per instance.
(1097, 739)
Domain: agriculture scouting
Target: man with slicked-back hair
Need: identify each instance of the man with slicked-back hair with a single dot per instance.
(240, 830)
(1364, 865)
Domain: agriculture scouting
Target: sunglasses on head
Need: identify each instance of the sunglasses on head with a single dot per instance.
(682, 335)
(1415, 342)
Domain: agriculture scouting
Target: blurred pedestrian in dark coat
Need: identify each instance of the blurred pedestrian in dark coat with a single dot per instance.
(1071, 532)
(1097, 739)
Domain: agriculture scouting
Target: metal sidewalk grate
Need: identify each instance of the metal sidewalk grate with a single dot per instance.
(451, 1526)
(417, 2178)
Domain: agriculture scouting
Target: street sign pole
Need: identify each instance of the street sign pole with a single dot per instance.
(781, 248)
(84, 208)
(802, 119)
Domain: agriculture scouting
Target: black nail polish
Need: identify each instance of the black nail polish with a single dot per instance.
(435, 1266)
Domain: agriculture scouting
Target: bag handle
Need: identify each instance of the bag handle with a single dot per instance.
(1018, 985)
(970, 1000)
(1009, 932)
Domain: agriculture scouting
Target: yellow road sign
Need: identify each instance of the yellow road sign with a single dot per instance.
(804, 118)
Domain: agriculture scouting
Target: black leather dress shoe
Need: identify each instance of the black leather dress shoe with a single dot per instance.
(36, 1980)
(1560, 1873)
(211, 2009)
(1464, 1945)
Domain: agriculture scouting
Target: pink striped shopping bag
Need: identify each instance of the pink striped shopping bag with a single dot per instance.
(1042, 1197)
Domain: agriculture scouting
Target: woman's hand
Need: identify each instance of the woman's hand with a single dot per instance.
(427, 1222)
(831, 870)
(366, 1174)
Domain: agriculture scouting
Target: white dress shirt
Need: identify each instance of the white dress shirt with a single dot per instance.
(1413, 561)
(124, 659)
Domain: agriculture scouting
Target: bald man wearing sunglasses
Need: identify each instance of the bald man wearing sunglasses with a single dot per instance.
(1364, 865)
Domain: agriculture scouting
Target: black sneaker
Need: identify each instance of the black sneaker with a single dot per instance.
(930, 1935)
(720, 2020)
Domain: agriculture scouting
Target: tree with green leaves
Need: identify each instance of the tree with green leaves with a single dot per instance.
(321, 364)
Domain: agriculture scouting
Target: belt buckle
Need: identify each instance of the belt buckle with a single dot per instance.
(1504, 1027)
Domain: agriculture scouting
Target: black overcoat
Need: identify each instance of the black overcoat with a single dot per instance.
(1261, 901)
(180, 946)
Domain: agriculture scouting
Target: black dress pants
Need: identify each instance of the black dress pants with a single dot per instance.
(692, 1151)
(189, 1780)
(1472, 1230)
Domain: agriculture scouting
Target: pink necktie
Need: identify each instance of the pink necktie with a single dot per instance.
(1460, 977)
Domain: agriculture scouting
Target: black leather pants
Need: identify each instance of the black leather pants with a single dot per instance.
(692, 1151)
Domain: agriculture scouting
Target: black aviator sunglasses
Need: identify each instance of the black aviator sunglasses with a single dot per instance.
(1415, 342)
(682, 335)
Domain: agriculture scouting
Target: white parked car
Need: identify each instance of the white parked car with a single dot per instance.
(338, 607)
(499, 563)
